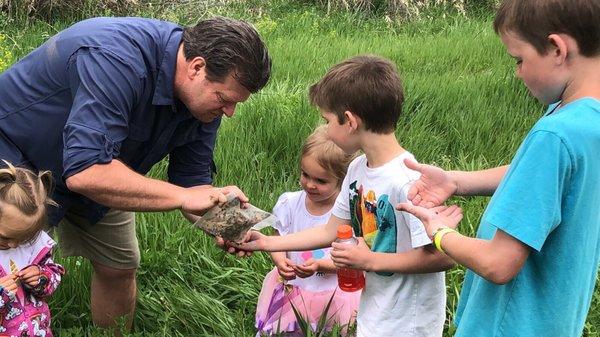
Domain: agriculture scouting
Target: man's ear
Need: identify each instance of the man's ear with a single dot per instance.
(195, 66)
(352, 120)
(562, 45)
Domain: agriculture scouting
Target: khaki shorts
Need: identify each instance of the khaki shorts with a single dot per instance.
(111, 242)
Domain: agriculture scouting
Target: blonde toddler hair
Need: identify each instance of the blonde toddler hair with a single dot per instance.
(29, 193)
(328, 155)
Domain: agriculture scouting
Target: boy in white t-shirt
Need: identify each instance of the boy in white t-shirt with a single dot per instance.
(361, 99)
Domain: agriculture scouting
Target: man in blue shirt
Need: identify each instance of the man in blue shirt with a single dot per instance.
(100, 103)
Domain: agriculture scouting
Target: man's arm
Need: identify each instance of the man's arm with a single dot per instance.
(117, 186)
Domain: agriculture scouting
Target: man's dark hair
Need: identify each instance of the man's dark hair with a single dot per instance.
(229, 45)
(368, 86)
(534, 20)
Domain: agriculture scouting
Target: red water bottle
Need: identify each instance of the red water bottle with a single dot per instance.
(349, 279)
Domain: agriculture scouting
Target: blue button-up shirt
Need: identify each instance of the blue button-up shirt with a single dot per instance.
(97, 91)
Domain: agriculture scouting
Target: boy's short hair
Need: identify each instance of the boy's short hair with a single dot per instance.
(534, 20)
(368, 86)
(328, 155)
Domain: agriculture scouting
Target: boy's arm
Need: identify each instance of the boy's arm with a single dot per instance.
(312, 238)
(483, 182)
(50, 278)
(419, 260)
(436, 185)
(497, 260)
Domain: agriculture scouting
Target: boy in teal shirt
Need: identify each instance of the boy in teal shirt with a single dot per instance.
(534, 262)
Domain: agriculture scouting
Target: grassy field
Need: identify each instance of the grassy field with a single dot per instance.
(464, 110)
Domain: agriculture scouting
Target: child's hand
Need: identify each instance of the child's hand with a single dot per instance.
(352, 256)
(31, 275)
(9, 283)
(307, 269)
(231, 247)
(434, 218)
(434, 186)
(254, 240)
(285, 268)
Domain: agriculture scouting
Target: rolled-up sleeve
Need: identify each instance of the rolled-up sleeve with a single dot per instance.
(105, 90)
(192, 164)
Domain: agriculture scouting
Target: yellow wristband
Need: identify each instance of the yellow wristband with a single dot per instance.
(439, 234)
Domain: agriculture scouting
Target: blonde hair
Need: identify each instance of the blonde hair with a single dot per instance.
(29, 193)
(328, 155)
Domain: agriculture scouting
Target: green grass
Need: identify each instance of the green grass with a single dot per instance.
(464, 110)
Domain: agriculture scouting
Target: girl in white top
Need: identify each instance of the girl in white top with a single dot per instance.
(307, 280)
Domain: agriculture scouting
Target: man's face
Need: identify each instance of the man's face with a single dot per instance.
(207, 100)
(538, 72)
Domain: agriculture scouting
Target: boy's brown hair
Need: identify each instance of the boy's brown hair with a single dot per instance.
(328, 155)
(368, 86)
(29, 193)
(534, 20)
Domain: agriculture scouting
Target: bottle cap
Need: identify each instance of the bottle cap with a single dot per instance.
(344, 232)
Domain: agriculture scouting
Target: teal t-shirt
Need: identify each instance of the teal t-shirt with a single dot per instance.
(550, 200)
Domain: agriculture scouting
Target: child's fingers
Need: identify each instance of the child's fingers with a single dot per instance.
(10, 286)
(31, 279)
(29, 271)
(339, 247)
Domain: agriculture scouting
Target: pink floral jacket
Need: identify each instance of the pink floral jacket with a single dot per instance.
(26, 313)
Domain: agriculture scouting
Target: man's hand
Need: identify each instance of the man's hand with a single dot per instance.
(238, 193)
(31, 275)
(434, 186)
(307, 269)
(197, 201)
(434, 218)
(9, 283)
(285, 267)
(352, 256)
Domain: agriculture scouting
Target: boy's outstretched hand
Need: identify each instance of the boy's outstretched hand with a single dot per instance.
(434, 218)
(253, 241)
(231, 247)
(352, 256)
(434, 186)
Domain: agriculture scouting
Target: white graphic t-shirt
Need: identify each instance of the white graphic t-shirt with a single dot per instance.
(391, 304)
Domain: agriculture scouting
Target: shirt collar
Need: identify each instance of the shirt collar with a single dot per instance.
(163, 93)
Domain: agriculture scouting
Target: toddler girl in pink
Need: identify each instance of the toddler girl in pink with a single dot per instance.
(307, 280)
(27, 273)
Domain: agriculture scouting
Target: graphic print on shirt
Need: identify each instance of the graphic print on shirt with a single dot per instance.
(316, 254)
(373, 219)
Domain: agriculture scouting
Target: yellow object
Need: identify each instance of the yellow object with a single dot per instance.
(369, 220)
(13, 267)
(439, 234)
